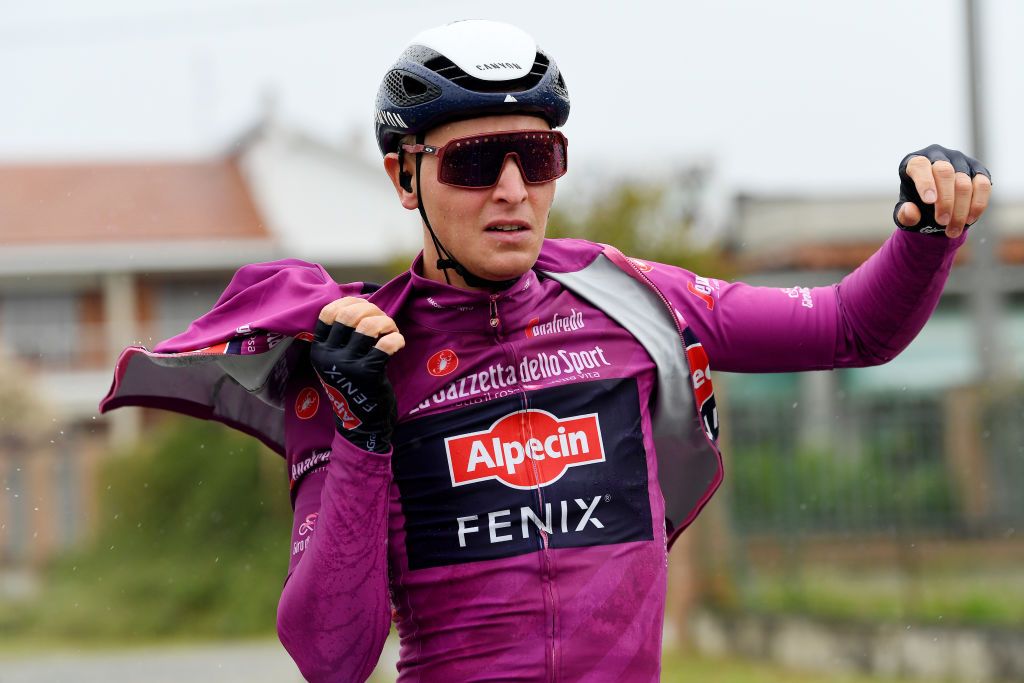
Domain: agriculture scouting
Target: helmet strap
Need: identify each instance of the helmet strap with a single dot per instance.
(445, 258)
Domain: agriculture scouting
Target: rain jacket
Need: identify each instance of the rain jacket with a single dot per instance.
(552, 441)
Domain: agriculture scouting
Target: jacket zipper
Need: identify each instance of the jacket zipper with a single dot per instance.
(683, 524)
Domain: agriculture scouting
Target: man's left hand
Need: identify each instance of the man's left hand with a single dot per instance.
(941, 190)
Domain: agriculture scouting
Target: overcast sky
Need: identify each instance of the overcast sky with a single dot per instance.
(787, 95)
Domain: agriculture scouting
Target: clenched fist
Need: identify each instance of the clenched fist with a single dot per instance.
(941, 190)
(352, 344)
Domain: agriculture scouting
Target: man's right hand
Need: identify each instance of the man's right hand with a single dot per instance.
(352, 344)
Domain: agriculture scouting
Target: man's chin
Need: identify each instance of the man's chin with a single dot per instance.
(509, 269)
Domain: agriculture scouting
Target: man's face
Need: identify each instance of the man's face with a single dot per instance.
(466, 220)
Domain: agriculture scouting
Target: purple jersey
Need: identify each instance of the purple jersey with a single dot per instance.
(517, 530)
(525, 527)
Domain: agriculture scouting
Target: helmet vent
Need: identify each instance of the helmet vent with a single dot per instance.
(406, 89)
(560, 86)
(447, 69)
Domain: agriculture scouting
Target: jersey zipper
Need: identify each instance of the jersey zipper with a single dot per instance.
(546, 568)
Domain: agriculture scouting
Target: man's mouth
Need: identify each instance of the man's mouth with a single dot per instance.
(506, 227)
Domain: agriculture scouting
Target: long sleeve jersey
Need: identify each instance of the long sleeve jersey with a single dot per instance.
(516, 531)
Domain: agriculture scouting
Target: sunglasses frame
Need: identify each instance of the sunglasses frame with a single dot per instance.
(439, 152)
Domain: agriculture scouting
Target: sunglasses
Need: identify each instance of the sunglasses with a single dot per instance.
(475, 161)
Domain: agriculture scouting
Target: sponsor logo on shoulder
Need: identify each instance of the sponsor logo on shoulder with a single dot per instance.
(306, 403)
(704, 289)
(558, 323)
(802, 293)
(644, 266)
(442, 363)
(504, 452)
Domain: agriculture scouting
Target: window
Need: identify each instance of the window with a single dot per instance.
(43, 329)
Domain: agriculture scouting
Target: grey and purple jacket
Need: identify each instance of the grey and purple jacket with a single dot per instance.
(552, 441)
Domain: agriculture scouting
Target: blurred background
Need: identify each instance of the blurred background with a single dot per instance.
(872, 522)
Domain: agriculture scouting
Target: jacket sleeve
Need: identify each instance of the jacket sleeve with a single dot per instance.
(866, 319)
(334, 613)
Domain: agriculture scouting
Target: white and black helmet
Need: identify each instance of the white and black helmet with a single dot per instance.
(466, 69)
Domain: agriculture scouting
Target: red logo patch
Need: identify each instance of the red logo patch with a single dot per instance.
(700, 373)
(307, 403)
(341, 408)
(442, 363)
(702, 289)
(305, 336)
(525, 449)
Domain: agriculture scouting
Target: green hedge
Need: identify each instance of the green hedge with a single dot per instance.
(193, 541)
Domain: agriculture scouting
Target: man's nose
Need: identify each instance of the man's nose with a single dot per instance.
(511, 186)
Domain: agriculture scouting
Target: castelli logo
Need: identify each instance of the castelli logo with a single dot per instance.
(305, 336)
(644, 266)
(306, 403)
(525, 449)
(442, 363)
(341, 408)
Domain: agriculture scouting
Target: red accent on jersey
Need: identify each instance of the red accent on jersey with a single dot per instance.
(700, 373)
(703, 296)
(307, 403)
(442, 363)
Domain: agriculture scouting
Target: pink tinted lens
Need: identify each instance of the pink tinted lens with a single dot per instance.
(477, 161)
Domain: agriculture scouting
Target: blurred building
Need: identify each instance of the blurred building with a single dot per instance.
(96, 256)
(918, 443)
(787, 241)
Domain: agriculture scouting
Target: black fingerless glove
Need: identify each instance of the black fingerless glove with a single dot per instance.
(908, 191)
(353, 374)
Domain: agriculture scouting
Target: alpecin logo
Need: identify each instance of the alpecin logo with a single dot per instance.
(442, 363)
(558, 323)
(306, 403)
(703, 388)
(341, 408)
(525, 449)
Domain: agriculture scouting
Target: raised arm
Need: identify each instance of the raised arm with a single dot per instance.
(333, 616)
(873, 313)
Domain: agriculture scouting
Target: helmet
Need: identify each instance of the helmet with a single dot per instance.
(466, 69)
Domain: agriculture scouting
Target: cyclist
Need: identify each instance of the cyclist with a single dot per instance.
(517, 427)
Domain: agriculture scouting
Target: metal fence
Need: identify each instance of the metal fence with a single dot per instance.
(938, 464)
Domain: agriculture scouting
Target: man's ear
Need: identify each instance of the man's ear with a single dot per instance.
(402, 180)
